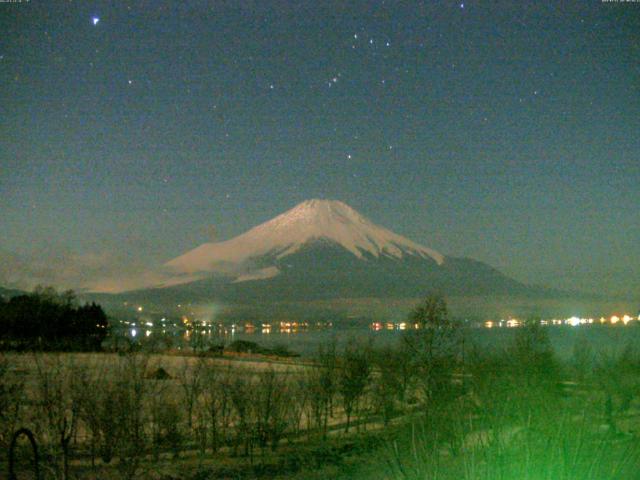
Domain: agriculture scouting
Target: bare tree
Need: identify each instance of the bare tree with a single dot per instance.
(387, 383)
(354, 375)
(298, 401)
(166, 420)
(11, 396)
(272, 393)
(128, 396)
(58, 404)
(321, 383)
(240, 393)
(190, 379)
(97, 411)
(217, 403)
(316, 405)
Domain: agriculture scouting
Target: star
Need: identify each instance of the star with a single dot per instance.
(462, 5)
(95, 20)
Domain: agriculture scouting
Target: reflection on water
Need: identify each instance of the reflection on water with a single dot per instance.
(129, 329)
(305, 338)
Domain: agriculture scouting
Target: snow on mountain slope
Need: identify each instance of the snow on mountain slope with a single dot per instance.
(261, 274)
(285, 234)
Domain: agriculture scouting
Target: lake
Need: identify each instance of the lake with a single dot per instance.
(609, 339)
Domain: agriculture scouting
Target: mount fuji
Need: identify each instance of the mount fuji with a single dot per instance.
(318, 250)
(312, 221)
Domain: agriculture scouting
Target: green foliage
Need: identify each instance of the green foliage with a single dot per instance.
(388, 383)
(435, 350)
(532, 352)
(431, 312)
(618, 378)
(569, 449)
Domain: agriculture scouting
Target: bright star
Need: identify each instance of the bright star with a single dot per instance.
(95, 20)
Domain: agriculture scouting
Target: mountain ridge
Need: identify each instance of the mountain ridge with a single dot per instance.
(322, 249)
(288, 232)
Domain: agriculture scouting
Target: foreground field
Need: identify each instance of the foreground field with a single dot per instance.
(418, 410)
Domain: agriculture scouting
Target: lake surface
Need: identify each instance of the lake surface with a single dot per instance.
(608, 339)
(601, 338)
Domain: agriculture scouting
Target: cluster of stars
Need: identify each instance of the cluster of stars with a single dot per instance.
(333, 80)
(371, 41)
(378, 45)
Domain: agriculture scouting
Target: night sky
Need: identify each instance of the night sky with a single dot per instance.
(508, 132)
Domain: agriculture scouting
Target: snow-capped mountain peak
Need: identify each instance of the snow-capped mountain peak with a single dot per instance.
(285, 234)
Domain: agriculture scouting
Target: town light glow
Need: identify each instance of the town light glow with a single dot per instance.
(573, 321)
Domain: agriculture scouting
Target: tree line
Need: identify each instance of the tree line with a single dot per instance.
(48, 320)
